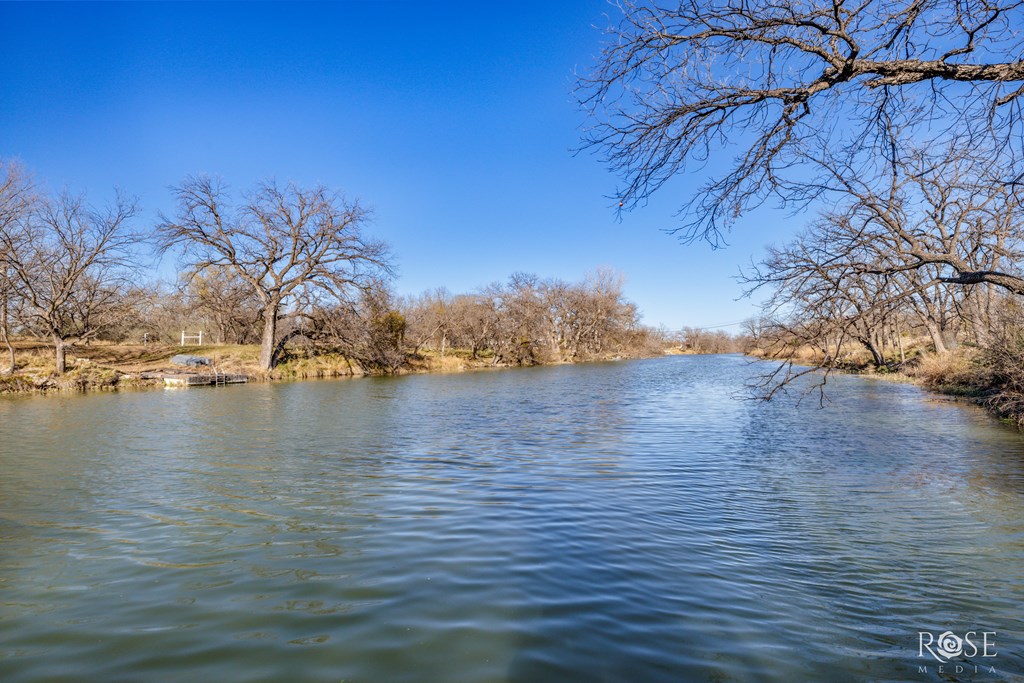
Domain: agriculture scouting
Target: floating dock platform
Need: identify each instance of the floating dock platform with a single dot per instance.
(203, 379)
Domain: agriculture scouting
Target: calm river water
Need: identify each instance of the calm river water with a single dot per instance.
(623, 521)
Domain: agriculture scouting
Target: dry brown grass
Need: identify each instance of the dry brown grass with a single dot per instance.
(38, 358)
(104, 365)
(957, 371)
(303, 365)
(446, 364)
(454, 360)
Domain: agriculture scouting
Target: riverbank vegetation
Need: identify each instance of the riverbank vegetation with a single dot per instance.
(919, 274)
(526, 321)
(895, 128)
(991, 375)
(285, 282)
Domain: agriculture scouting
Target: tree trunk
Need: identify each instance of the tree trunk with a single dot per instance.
(12, 364)
(279, 346)
(267, 345)
(977, 316)
(5, 331)
(899, 339)
(877, 357)
(60, 355)
(979, 329)
(936, 335)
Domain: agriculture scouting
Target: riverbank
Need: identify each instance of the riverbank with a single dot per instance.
(992, 377)
(100, 366)
(971, 374)
(968, 374)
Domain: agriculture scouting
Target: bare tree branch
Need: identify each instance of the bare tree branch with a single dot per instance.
(769, 85)
(284, 242)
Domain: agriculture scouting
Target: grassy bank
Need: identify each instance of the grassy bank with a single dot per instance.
(104, 366)
(990, 376)
(108, 366)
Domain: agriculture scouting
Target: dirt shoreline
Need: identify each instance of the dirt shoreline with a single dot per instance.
(144, 368)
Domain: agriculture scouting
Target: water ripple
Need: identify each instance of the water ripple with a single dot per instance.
(609, 522)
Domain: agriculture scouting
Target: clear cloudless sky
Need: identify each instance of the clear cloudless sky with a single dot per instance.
(455, 121)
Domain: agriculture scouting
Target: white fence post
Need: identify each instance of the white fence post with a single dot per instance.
(192, 339)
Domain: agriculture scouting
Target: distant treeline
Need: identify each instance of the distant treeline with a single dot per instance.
(705, 340)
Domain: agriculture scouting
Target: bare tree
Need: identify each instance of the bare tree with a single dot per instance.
(70, 265)
(592, 317)
(701, 340)
(531, 320)
(943, 209)
(17, 199)
(385, 337)
(524, 336)
(771, 84)
(285, 242)
(475, 320)
(429, 320)
(369, 329)
(6, 300)
(917, 246)
(225, 300)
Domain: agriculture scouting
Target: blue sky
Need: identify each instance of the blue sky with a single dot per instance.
(454, 121)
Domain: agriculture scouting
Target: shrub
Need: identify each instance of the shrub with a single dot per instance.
(1004, 361)
(959, 370)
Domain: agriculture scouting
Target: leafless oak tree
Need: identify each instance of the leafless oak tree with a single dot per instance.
(770, 84)
(929, 242)
(429, 319)
(17, 198)
(286, 242)
(70, 265)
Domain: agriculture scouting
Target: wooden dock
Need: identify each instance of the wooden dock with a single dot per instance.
(203, 379)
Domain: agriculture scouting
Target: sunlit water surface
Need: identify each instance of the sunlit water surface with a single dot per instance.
(626, 521)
